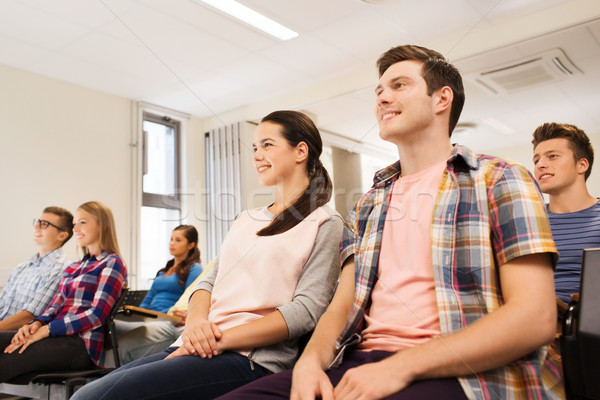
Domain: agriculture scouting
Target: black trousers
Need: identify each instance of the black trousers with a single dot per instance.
(64, 353)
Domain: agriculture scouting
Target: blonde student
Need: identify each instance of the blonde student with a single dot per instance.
(69, 334)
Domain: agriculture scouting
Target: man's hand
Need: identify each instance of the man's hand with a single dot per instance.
(309, 381)
(371, 381)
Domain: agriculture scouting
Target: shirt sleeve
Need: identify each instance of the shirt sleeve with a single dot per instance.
(57, 302)
(110, 282)
(149, 296)
(5, 297)
(348, 245)
(518, 217)
(317, 281)
(195, 272)
(47, 289)
(209, 280)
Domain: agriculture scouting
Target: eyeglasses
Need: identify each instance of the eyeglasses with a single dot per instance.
(43, 224)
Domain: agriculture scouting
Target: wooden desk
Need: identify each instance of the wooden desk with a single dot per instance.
(143, 314)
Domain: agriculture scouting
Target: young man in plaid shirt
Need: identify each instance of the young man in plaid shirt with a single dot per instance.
(447, 282)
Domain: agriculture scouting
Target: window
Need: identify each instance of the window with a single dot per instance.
(161, 199)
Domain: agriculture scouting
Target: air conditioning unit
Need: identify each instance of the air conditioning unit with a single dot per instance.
(539, 69)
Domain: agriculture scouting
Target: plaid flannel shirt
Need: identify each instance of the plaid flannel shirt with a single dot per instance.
(487, 212)
(87, 292)
(33, 285)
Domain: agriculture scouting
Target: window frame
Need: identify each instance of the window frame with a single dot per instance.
(172, 201)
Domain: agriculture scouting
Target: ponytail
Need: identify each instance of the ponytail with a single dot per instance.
(296, 128)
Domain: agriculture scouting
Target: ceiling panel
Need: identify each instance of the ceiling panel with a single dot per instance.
(304, 16)
(19, 54)
(86, 13)
(197, 15)
(39, 28)
(311, 56)
(184, 55)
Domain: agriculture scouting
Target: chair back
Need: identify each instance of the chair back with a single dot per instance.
(128, 298)
(580, 342)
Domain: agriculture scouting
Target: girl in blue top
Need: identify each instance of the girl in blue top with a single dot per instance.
(179, 273)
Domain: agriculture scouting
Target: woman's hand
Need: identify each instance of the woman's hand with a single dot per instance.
(25, 336)
(201, 339)
(25, 332)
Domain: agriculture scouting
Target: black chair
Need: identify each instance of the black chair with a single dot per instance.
(580, 341)
(128, 298)
(62, 384)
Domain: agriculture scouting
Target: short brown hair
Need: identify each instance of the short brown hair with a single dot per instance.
(66, 220)
(579, 142)
(437, 73)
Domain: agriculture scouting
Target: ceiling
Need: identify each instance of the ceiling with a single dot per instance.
(185, 56)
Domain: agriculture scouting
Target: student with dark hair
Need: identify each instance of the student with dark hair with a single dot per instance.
(69, 334)
(563, 158)
(33, 284)
(172, 280)
(446, 289)
(272, 281)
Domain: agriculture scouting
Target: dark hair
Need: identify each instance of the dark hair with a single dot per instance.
(66, 220)
(579, 142)
(436, 71)
(296, 127)
(183, 268)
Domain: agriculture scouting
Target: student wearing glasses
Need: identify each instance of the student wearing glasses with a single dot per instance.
(69, 334)
(33, 284)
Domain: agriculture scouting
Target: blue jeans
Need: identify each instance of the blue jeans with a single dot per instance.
(186, 377)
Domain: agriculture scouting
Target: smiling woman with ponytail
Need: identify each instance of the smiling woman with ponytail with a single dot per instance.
(296, 128)
(269, 286)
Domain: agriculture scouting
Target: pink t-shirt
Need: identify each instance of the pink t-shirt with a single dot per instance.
(403, 311)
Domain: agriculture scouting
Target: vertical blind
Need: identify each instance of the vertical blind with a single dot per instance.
(224, 199)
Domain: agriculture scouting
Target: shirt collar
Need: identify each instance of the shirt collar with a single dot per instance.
(37, 258)
(460, 155)
(92, 257)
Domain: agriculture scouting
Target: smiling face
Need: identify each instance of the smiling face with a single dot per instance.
(403, 105)
(87, 231)
(179, 246)
(274, 158)
(48, 238)
(555, 166)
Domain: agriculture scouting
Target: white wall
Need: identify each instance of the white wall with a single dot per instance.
(194, 199)
(63, 144)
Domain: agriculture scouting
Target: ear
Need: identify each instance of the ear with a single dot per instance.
(443, 99)
(582, 165)
(191, 245)
(301, 152)
(62, 236)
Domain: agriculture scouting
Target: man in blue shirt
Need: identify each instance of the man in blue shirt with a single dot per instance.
(563, 158)
(33, 284)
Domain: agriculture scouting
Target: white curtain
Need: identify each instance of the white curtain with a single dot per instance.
(224, 200)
